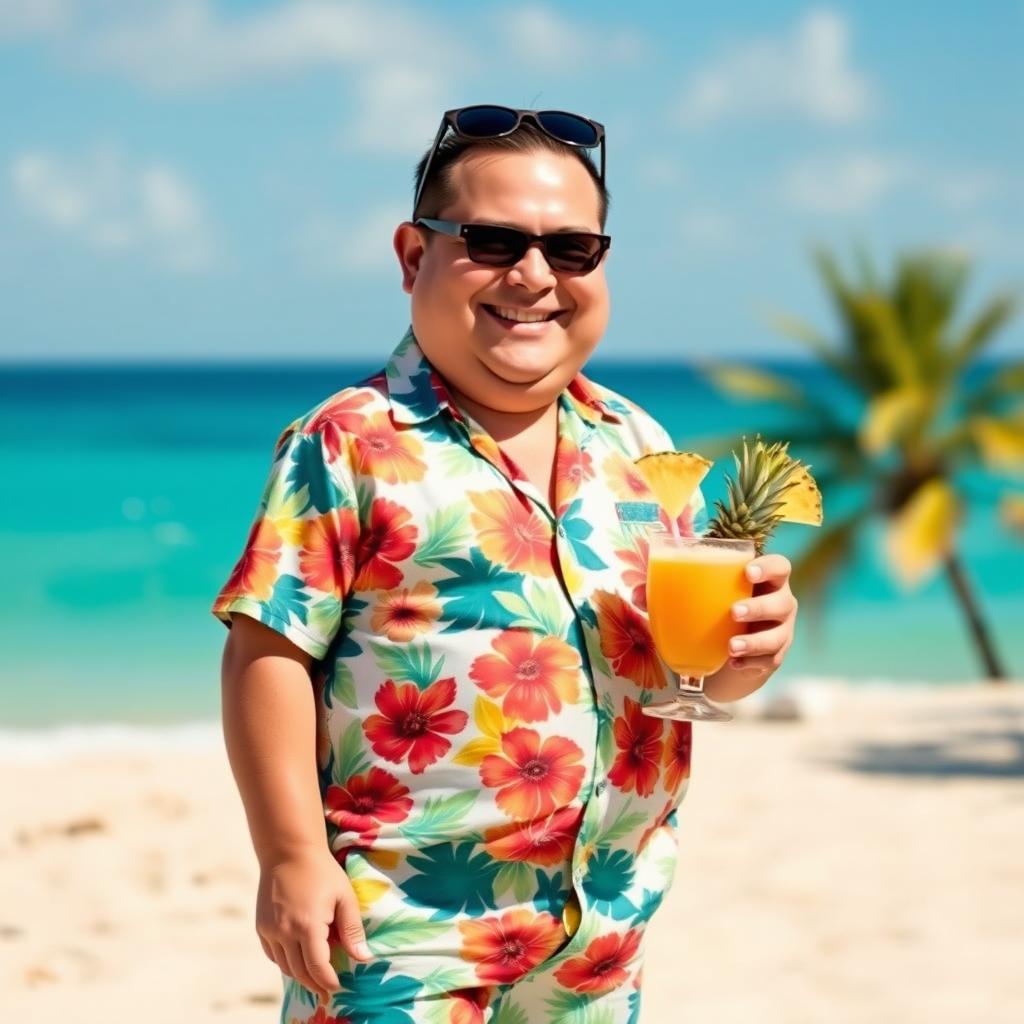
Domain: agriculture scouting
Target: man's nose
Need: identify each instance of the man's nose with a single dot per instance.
(533, 271)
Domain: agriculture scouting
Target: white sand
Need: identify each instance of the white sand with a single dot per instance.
(866, 864)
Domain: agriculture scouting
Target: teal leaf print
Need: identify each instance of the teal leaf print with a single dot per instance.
(623, 825)
(469, 593)
(447, 533)
(538, 610)
(568, 1007)
(289, 598)
(351, 755)
(343, 686)
(517, 877)
(323, 615)
(452, 880)
(509, 1013)
(439, 816)
(403, 928)
(408, 663)
(649, 903)
(366, 997)
(308, 469)
(549, 893)
(421, 399)
(440, 980)
(577, 530)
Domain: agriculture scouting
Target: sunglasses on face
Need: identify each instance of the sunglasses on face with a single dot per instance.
(485, 121)
(578, 252)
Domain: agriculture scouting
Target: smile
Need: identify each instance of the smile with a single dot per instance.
(507, 314)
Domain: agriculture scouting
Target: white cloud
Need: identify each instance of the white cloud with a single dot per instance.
(541, 37)
(965, 189)
(850, 183)
(188, 44)
(807, 73)
(34, 17)
(330, 245)
(114, 207)
(711, 229)
(397, 111)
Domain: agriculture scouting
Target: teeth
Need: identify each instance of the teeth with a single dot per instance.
(519, 316)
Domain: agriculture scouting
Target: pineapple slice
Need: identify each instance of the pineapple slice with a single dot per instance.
(672, 477)
(802, 501)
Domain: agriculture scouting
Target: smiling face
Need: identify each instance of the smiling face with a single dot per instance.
(461, 310)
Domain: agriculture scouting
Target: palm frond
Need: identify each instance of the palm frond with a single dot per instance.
(1001, 384)
(982, 329)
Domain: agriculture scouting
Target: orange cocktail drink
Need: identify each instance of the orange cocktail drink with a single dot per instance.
(692, 584)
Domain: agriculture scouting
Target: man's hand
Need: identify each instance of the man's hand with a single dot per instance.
(299, 898)
(770, 619)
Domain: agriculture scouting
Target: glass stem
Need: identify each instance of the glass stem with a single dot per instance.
(689, 685)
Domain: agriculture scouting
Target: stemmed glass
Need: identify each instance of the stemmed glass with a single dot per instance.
(692, 584)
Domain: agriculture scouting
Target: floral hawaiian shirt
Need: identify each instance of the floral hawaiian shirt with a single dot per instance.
(481, 659)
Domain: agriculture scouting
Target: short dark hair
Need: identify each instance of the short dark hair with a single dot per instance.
(527, 138)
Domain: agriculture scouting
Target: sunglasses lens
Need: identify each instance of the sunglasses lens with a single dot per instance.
(572, 252)
(568, 127)
(486, 122)
(497, 247)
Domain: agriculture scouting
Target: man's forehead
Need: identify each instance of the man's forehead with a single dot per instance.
(525, 182)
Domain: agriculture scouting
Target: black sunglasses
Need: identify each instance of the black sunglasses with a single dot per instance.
(576, 251)
(485, 121)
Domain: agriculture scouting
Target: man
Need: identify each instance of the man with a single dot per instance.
(439, 649)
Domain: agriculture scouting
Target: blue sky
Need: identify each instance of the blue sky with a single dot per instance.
(196, 179)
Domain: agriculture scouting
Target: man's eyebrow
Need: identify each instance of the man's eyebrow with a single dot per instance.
(572, 228)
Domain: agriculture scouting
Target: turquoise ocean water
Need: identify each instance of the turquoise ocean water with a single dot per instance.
(128, 493)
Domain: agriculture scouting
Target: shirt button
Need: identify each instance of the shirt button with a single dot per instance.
(561, 530)
(577, 875)
(600, 787)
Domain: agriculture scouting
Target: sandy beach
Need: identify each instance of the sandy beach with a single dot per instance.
(863, 863)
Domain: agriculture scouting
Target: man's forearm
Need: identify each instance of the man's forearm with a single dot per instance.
(269, 720)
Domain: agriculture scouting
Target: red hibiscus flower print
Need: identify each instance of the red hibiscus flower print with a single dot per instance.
(327, 560)
(366, 802)
(635, 576)
(337, 419)
(603, 966)
(533, 674)
(535, 778)
(256, 571)
(468, 1005)
(411, 723)
(638, 737)
(511, 534)
(627, 642)
(572, 467)
(389, 537)
(322, 1017)
(403, 614)
(678, 745)
(507, 947)
(385, 453)
(546, 841)
(622, 477)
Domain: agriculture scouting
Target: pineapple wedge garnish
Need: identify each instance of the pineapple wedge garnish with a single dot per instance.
(770, 487)
(672, 477)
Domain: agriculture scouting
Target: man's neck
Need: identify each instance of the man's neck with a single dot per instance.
(502, 425)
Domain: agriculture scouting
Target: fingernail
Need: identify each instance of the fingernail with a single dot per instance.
(363, 951)
(740, 611)
(737, 644)
(754, 572)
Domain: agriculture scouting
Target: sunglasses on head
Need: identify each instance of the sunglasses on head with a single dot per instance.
(485, 121)
(578, 252)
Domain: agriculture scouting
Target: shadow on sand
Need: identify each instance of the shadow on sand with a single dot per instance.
(988, 746)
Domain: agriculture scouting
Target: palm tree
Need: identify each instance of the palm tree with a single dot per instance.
(926, 413)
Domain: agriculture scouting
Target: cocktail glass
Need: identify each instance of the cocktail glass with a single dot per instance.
(692, 584)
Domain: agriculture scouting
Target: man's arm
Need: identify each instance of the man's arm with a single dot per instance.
(269, 721)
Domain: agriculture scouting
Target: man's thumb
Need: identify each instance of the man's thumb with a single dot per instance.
(349, 927)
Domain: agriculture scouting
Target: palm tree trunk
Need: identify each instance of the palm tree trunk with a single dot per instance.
(979, 631)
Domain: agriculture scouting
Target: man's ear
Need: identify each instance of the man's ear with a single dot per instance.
(408, 243)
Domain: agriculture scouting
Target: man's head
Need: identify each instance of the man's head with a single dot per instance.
(532, 182)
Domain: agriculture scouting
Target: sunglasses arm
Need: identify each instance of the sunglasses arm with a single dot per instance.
(430, 159)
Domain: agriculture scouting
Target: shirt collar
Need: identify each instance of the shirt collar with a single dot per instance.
(417, 393)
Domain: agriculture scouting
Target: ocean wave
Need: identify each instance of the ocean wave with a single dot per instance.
(42, 743)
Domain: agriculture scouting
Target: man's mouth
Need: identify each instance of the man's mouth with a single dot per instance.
(508, 315)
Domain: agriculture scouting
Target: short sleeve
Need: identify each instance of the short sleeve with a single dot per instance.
(297, 564)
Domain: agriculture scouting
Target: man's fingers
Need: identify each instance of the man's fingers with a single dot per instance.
(772, 567)
(772, 607)
(349, 926)
(317, 956)
(764, 642)
(297, 965)
(267, 949)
